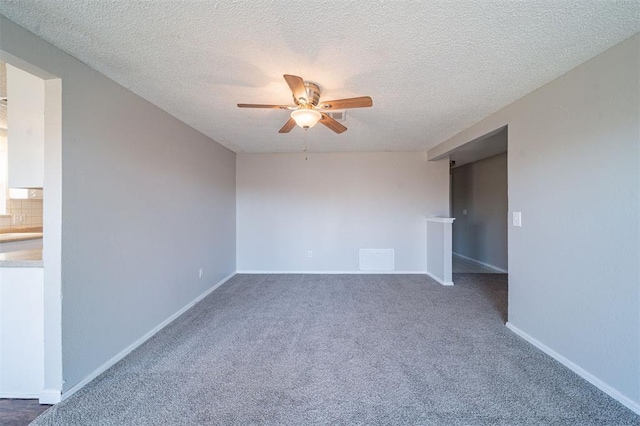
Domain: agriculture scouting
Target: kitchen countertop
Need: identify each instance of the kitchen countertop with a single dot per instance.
(23, 229)
(11, 237)
(24, 258)
(31, 258)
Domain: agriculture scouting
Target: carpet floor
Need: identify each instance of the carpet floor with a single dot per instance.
(341, 349)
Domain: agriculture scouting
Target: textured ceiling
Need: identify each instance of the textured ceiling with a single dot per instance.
(433, 68)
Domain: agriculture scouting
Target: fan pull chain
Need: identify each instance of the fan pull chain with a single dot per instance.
(306, 156)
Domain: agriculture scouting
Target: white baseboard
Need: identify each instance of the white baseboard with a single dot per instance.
(50, 396)
(439, 280)
(612, 392)
(334, 272)
(486, 265)
(140, 341)
(19, 395)
(47, 396)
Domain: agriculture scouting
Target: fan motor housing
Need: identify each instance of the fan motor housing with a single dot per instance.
(313, 92)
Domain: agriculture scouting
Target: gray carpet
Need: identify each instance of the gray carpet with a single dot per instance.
(341, 349)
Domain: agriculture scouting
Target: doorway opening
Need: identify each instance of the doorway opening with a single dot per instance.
(479, 203)
(31, 350)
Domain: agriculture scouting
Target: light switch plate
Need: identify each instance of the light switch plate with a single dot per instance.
(517, 218)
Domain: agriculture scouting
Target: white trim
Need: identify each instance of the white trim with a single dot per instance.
(486, 265)
(447, 283)
(612, 392)
(52, 240)
(19, 395)
(50, 396)
(440, 219)
(334, 272)
(141, 340)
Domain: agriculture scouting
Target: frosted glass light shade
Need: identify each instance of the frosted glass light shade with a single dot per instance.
(306, 117)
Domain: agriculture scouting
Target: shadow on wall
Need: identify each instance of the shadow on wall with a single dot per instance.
(480, 206)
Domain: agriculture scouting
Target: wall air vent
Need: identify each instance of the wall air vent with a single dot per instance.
(337, 115)
(377, 259)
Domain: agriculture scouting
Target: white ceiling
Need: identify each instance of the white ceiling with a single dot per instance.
(433, 68)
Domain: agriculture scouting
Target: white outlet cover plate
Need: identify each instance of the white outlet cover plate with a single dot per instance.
(517, 218)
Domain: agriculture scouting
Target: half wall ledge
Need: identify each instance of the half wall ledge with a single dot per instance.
(439, 249)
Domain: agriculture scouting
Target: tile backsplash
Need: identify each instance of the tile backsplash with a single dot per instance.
(30, 211)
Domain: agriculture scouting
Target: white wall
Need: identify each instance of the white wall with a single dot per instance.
(52, 240)
(146, 202)
(25, 126)
(334, 204)
(574, 173)
(21, 332)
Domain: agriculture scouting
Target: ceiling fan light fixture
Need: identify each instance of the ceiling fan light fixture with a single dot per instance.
(305, 111)
(306, 118)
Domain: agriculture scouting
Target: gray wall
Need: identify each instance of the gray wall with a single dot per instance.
(480, 188)
(335, 204)
(574, 173)
(435, 252)
(147, 201)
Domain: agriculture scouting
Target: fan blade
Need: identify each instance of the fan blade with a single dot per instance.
(361, 102)
(332, 124)
(263, 106)
(288, 126)
(296, 84)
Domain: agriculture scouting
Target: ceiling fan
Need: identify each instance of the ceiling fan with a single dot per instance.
(307, 111)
